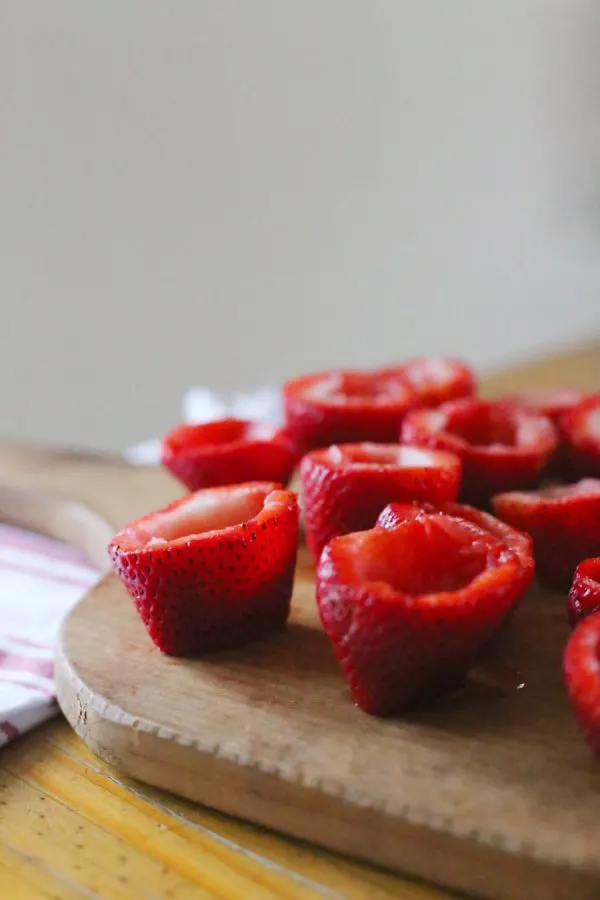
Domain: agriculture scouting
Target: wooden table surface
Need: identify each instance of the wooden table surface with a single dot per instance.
(70, 827)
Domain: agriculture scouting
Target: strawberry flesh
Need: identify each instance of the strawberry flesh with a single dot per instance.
(584, 596)
(551, 402)
(408, 609)
(346, 406)
(228, 451)
(516, 541)
(212, 570)
(564, 523)
(501, 446)
(345, 487)
(437, 380)
(580, 430)
(581, 665)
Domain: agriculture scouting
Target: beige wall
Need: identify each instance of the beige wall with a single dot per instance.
(228, 192)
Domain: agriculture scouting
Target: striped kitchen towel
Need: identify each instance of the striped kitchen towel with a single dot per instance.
(40, 579)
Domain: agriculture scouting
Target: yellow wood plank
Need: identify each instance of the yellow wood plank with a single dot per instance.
(351, 879)
(123, 821)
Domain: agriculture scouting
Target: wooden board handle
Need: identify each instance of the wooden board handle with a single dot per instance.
(76, 496)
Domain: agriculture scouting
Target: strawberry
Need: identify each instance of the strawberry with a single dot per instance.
(580, 429)
(212, 570)
(564, 522)
(341, 407)
(501, 446)
(519, 543)
(581, 666)
(409, 609)
(345, 487)
(551, 402)
(437, 380)
(346, 406)
(228, 451)
(584, 596)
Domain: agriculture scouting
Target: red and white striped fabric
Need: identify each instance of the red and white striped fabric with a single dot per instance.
(40, 579)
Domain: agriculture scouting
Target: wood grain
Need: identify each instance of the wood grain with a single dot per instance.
(511, 748)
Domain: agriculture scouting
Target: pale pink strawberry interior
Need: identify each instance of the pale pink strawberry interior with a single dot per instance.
(483, 428)
(549, 397)
(207, 510)
(378, 455)
(219, 433)
(359, 388)
(497, 427)
(418, 557)
(582, 488)
(591, 421)
(429, 374)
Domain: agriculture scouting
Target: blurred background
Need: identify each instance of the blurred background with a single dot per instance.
(226, 192)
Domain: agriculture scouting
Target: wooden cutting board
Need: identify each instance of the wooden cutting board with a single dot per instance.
(492, 791)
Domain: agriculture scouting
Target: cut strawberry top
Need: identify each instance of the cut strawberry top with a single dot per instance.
(436, 380)
(519, 543)
(392, 563)
(186, 438)
(214, 569)
(501, 446)
(408, 610)
(580, 428)
(564, 522)
(356, 388)
(339, 407)
(551, 402)
(228, 451)
(377, 456)
(345, 487)
(202, 513)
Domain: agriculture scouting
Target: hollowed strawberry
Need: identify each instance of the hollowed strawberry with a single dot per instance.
(582, 676)
(409, 609)
(346, 406)
(346, 486)
(564, 522)
(214, 569)
(551, 402)
(228, 451)
(584, 596)
(580, 429)
(501, 446)
(436, 380)
(516, 541)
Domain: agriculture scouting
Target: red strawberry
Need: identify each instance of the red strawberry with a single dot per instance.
(409, 609)
(516, 541)
(345, 487)
(551, 402)
(437, 380)
(564, 522)
(581, 666)
(501, 446)
(212, 570)
(345, 406)
(554, 404)
(229, 451)
(584, 596)
(580, 429)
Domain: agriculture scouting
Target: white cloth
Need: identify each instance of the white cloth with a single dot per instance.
(40, 579)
